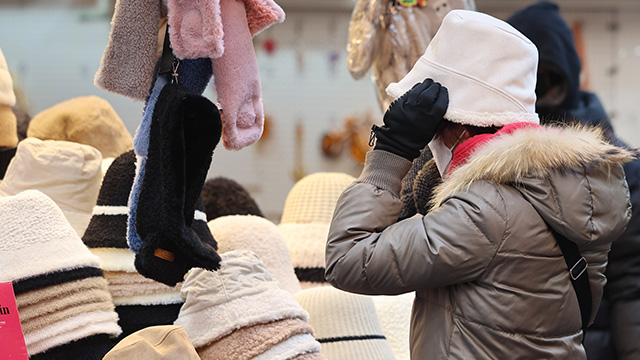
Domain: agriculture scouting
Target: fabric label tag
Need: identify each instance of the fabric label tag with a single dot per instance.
(12, 345)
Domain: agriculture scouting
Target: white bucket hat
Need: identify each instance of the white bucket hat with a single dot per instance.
(488, 67)
(69, 173)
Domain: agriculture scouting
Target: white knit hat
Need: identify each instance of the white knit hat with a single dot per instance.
(394, 313)
(488, 67)
(345, 324)
(241, 293)
(306, 217)
(35, 238)
(249, 232)
(69, 173)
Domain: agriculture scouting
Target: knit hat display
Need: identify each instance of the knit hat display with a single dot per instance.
(140, 302)
(169, 342)
(222, 196)
(345, 324)
(61, 294)
(88, 120)
(67, 172)
(261, 236)
(479, 94)
(185, 130)
(394, 313)
(305, 221)
(240, 295)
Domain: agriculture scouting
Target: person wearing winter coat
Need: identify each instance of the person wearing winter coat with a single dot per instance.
(490, 279)
(615, 333)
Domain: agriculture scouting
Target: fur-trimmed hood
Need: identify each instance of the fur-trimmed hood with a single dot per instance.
(536, 161)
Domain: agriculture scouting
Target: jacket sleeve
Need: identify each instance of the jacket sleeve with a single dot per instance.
(368, 252)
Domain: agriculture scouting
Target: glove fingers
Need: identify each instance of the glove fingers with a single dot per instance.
(442, 102)
(429, 95)
(413, 95)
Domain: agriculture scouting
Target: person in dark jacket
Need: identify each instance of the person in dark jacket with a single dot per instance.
(615, 334)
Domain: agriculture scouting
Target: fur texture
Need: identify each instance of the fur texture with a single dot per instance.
(261, 14)
(72, 329)
(55, 278)
(88, 120)
(36, 239)
(129, 60)
(237, 81)
(60, 293)
(195, 28)
(251, 341)
(534, 151)
(296, 345)
(184, 133)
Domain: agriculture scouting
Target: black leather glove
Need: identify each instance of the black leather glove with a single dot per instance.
(411, 120)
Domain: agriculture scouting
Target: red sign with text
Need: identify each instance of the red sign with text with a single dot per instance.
(12, 344)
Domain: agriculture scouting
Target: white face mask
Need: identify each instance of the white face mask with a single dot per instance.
(442, 154)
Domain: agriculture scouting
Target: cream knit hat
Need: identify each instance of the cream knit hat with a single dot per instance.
(345, 324)
(88, 120)
(249, 232)
(306, 217)
(241, 293)
(69, 173)
(35, 238)
(488, 67)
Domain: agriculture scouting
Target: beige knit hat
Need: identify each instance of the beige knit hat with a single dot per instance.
(488, 67)
(168, 342)
(345, 324)
(306, 217)
(86, 120)
(69, 173)
(8, 125)
(249, 232)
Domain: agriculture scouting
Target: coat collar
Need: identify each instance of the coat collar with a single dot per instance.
(518, 151)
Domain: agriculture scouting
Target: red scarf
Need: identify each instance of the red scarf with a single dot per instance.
(464, 151)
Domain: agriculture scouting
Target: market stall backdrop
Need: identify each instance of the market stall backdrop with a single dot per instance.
(54, 47)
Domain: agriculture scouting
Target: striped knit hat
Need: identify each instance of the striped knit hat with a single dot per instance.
(305, 222)
(345, 324)
(62, 297)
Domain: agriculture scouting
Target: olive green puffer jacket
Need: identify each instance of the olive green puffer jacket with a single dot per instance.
(490, 279)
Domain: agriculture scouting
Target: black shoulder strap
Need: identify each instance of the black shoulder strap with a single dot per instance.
(577, 266)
